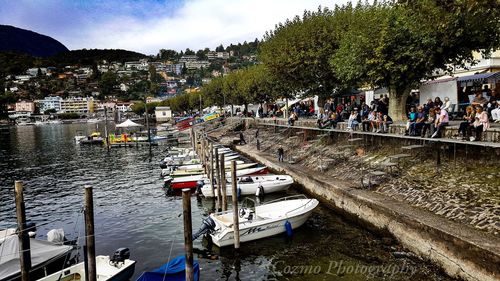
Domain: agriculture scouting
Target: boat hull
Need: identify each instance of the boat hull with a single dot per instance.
(105, 271)
(262, 226)
(269, 186)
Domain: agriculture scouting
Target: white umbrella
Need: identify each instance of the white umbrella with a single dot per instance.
(128, 124)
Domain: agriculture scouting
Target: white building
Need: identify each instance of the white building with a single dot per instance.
(49, 103)
(163, 113)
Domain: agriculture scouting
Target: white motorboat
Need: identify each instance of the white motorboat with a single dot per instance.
(79, 136)
(181, 173)
(254, 185)
(197, 178)
(46, 256)
(188, 167)
(108, 269)
(199, 166)
(257, 222)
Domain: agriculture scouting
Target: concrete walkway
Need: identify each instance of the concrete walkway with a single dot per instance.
(460, 250)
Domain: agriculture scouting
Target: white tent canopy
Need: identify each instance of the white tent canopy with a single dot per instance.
(128, 124)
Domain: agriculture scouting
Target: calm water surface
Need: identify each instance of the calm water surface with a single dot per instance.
(132, 210)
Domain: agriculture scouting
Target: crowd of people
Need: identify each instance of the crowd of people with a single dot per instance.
(426, 120)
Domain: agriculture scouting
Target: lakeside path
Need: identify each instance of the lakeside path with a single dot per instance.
(459, 249)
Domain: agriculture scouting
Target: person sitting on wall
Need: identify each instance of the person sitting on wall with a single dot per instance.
(495, 114)
(481, 123)
(429, 124)
(352, 123)
(479, 100)
(367, 121)
(441, 122)
(419, 123)
(466, 125)
(412, 118)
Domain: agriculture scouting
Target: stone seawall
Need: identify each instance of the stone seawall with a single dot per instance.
(460, 250)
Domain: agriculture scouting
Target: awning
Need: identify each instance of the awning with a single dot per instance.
(480, 77)
(128, 124)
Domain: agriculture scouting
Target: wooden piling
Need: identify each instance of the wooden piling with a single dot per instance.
(236, 223)
(89, 234)
(188, 233)
(210, 170)
(22, 234)
(217, 173)
(223, 182)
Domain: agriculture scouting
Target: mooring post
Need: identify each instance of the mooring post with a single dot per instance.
(223, 182)
(211, 169)
(89, 234)
(188, 233)
(218, 176)
(236, 223)
(22, 233)
(191, 134)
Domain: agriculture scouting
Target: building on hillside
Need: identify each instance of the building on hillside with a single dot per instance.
(49, 103)
(34, 71)
(217, 55)
(191, 65)
(163, 114)
(124, 106)
(27, 107)
(174, 68)
(78, 105)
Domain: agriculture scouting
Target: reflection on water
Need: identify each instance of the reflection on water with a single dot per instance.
(132, 210)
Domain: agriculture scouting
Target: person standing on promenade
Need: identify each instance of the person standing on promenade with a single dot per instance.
(281, 154)
(242, 139)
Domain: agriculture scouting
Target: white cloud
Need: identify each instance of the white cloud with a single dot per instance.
(196, 24)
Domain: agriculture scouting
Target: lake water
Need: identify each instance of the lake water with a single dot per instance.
(132, 210)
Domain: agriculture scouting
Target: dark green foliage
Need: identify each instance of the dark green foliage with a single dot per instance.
(19, 40)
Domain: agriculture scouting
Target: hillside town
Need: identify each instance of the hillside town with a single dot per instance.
(86, 91)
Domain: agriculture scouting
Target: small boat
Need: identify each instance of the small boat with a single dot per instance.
(94, 138)
(257, 222)
(79, 136)
(182, 173)
(251, 185)
(199, 166)
(117, 268)
(197, 180)
(46, 256)
(93, 120)
(174, 270)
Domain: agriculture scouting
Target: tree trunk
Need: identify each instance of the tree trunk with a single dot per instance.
(397, 104)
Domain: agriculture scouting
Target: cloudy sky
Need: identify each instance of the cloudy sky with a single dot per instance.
(149, 25)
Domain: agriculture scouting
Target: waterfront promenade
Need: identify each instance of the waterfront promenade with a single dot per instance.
(440, 200)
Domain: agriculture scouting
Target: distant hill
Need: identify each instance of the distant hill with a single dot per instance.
(28, 42)
(91, 56)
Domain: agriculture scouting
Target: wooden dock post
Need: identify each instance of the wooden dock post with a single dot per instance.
(218, 172)
(89, 234)
(211, 168)
(188, 233)
(22, 234)
(236, 223)
(223, 182)
(191, 135)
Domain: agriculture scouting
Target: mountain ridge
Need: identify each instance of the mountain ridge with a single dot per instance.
(15, 39)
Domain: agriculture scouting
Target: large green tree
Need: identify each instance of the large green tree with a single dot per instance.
(398, 45)
(298, 51)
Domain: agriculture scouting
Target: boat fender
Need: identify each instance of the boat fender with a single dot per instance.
(207, 226)
(288, 227)
(260, 191)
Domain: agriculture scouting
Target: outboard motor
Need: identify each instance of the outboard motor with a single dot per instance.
(208, 226)
(120, 255)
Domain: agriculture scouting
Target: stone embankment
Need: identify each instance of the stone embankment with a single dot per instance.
(447, 213)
